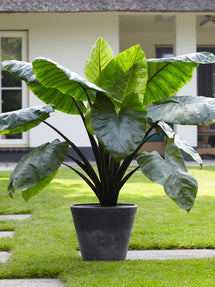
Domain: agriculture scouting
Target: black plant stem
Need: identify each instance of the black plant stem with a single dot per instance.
(119, 180)
(145, 138)
(127, 161)
(154, 134)
(86, 93)
(99, 156)
(89, 169)
(119, 184)
(90, 172)
(104, 175)
(91, 138)
(122, 182)
(95, 190)
(78, 162)
(61, 134)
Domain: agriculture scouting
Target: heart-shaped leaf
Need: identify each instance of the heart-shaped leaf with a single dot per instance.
(182, 145)
(125, 74)
(170, 172)
(24, 71)
(23, 120)
(37, 168)
(185, 110)
(120, 133)
(166, 76)
(53, 75)
(99, 57)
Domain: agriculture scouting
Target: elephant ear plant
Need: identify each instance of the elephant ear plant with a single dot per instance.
(123, 102)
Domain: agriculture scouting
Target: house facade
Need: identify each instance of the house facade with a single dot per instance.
(65, 31)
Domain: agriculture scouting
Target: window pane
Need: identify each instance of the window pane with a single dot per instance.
(10, 50)
(11, 88)
(11, 100)
(11, 137)
(164, 52)
(9, 81)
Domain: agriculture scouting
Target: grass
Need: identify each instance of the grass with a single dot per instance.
(46, 244)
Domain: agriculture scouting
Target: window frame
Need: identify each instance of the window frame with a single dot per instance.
(23, 142)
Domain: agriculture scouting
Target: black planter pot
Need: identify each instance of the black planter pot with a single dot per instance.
(103, 232)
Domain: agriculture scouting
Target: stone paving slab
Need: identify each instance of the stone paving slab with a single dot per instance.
(31, 283)
(170, 254)
(4, 256)
(4, 234)
(15, 216)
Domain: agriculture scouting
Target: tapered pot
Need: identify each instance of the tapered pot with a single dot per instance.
(103, 232)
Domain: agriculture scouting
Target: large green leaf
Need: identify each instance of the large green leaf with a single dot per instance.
(20, 69)
(53, 75)
(185, 110)
(23, 120)
(181, 144)
(170, 172)
(37, 168)
(125, 74)
(99, 57)
(61, 101)
(120, 133)
(166, 76)
(31, 191)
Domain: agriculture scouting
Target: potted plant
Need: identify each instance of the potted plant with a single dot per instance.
(124, 101)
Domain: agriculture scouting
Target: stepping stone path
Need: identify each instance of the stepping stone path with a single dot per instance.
(4, 234)
(15, 216)
(4, 256)
(31, 283)
(170, 254)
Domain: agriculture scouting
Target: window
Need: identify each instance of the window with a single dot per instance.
(164, 52)
(13, 92)
(206, 76)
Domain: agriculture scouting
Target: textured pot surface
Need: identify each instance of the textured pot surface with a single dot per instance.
(103, 232)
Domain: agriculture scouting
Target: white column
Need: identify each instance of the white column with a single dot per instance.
(185, 43)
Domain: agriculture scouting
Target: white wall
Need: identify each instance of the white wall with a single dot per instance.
(67, 39)
(185, 43)
(147, 40)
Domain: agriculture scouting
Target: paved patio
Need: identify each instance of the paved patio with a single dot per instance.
(4, 166)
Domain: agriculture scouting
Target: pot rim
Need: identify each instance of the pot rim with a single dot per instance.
(98, 206)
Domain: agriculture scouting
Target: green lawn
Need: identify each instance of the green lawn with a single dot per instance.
(46, 245)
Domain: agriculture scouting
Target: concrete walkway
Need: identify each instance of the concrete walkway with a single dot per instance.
(15, 216)
(31, 283)
(5, 234)
(4, 257)
(170, 254)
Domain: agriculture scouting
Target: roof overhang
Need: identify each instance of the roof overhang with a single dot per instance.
(72, 6)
